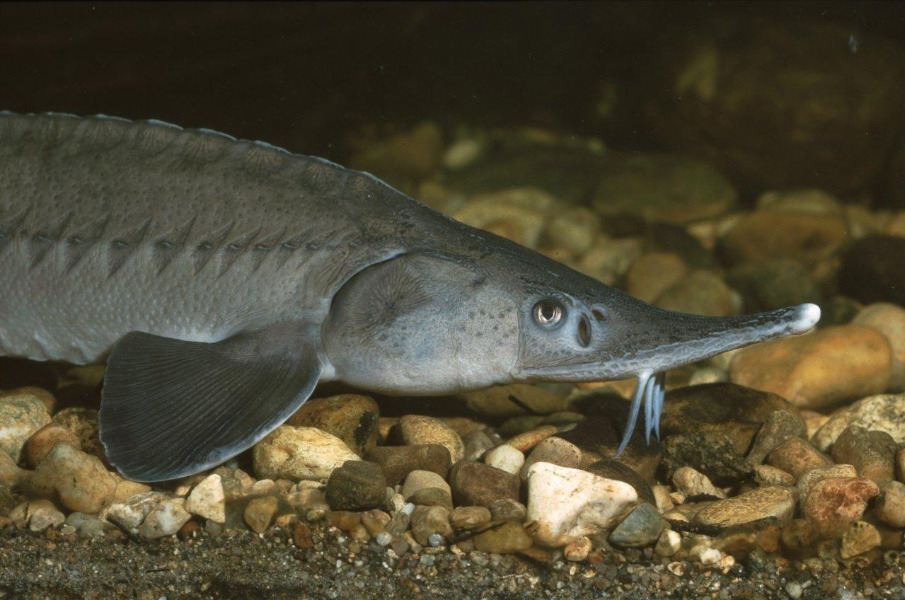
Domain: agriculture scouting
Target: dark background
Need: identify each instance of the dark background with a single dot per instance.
(304, 76)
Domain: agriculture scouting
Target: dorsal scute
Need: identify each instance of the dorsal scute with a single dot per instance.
(151, 138)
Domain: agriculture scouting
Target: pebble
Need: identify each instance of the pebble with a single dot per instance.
(418, 430)
(83, 423)
(21, 415)
(762, 503)
(654, 273)
(42, 514)
(568, 503)
(398, 461)
(668, 543)
(795, 456)
(553, 450)
(662, 499)
(356, 485)
(770, 234)
(506, 458)
(470, 517)
(299, 453)
(889, 320)
(778, 427)
(463, 152)
(87, 525)
(774, 284)
(890, 507)
(47, 399)
(476, 484)
(834, 503)
(860, 537)
(207, 499)
(511, 214)
(528, 440)
(700, 292)
(79, 480)
(720, 409)
(708, 375)
(578, 550)
(432, 497)
(610, 259)
(807, 479)
(713, 454)
(641, 528)
(167, 518)
(10, 473)
(507, 509)
(767, 475)
(507, 538)
(429, 521)
(885, 412)
(375, 521)
(574, 229)
(872, 453)
(795, 367)
(130, 513)
(40, 443)
(617, 471)
(417, 481)
(260, 512)
(352, 418)
(694, 483)
(477, 443)
(705, 555)
(496, 404)
(661, 187)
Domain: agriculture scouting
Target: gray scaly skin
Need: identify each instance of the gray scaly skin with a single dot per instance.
(227, 278)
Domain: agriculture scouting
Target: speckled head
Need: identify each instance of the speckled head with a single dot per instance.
(431, 322)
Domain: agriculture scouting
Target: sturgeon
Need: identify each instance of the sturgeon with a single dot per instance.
(223, 279)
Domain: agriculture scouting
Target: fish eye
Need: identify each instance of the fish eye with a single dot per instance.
(548, 313)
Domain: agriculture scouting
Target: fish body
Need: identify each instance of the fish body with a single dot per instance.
(226, 278)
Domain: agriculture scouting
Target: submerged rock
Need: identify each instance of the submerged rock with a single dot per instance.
(417, 430)
(884, 413)
(889, 320)
(21, 415)
(299, 453)
(795, 368)
(79, 480)
(641, 528)
(777, 503)
(568, 503)
(398, 461)
(350, 417)
(208, 500)
(356, 485)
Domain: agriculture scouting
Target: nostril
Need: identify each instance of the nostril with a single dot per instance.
(598, 314)
(584, 331)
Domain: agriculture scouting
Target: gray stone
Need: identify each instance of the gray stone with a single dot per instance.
(356, 485)
(641, 528)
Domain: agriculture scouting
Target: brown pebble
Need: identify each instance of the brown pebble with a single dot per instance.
(833, 504)
(301, 536)
(44, 439)
(528, 440)
(189, 530)
(795, 456)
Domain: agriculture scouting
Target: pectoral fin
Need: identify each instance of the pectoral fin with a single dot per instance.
(171, 408)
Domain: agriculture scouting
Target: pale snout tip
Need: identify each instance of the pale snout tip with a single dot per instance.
(806, 316)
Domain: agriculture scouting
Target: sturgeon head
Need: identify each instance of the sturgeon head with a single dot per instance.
(424, 323)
